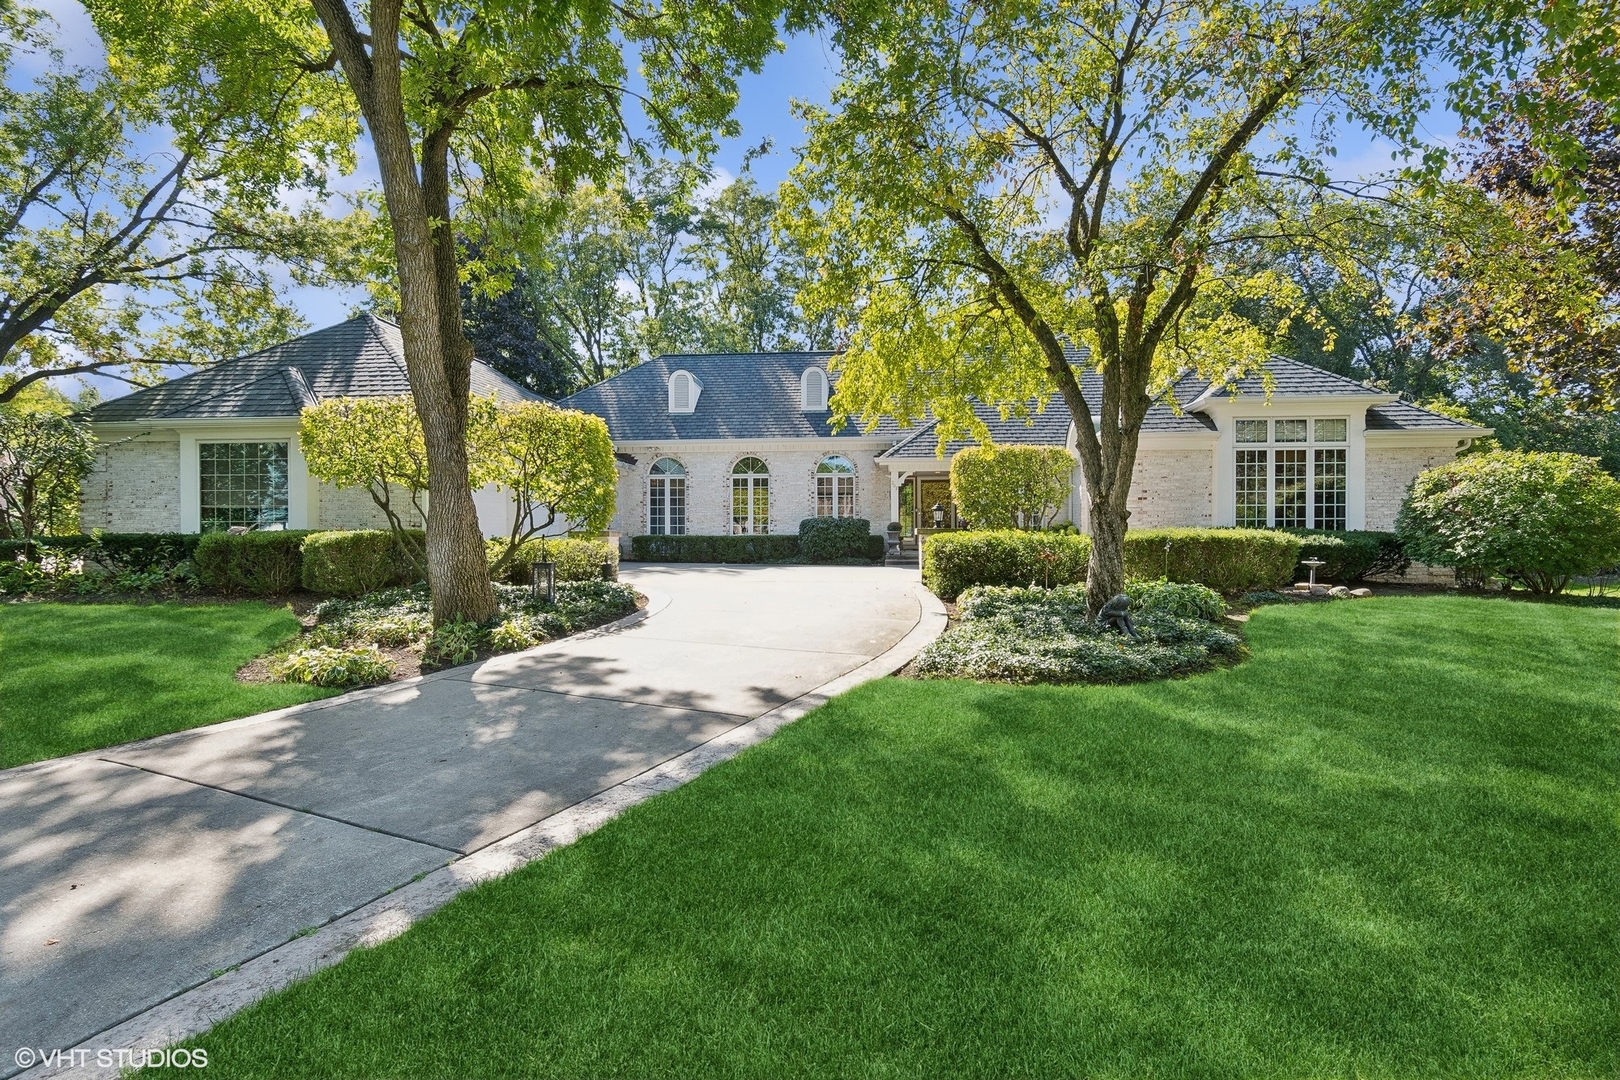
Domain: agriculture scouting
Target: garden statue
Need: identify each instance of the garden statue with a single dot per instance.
(1116, 616)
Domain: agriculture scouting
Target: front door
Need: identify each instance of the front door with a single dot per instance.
(930, 492)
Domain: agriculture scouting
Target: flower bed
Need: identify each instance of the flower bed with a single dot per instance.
(1030, 635)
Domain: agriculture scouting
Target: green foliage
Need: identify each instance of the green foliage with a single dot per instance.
(1351, 554)
(43, 458)
(1532, 518)
(454, 642)
(1227, 560)
(825, 540)
(374, 443)
(714, 549)
(955, 561)
(355, 665)
(1011, 487)
(515, 633)
(391, 618)
(251, 563)
(143, 551)
(1025, 635)
(359, 561)
(1184, 600)
(576, 559)
(557, 463)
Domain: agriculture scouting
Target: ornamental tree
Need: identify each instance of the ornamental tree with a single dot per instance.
(1536, 519)
(44, 457)
(373, 443)
(462, 105)
(995, 183)
(1011, 487)
(557, 464)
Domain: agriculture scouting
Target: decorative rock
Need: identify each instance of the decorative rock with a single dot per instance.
(1339, 592)
(1360, 592)
(1321, 590)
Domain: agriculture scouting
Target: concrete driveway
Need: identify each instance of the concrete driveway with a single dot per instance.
(132, 874)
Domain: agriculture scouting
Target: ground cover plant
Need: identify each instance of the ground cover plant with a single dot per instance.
(1378, 848)
(1025, 635)
(80, 676)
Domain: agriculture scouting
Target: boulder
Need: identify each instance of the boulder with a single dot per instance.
(1339, 592)
(1360, 592)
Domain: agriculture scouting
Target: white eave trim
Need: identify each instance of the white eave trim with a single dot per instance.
(1217, 397)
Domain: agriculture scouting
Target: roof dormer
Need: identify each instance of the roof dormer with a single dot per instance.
(813, 390)
(684, 389)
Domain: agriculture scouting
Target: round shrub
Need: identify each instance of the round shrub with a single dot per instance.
(1535, 519)
(577, 559)
(825, 539)
(330, 665)
(264, 563)
(355, 562)
(1184, 600)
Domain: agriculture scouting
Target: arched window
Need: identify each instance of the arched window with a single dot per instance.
(750, 496)
(683, 392)
(666, 498)
(835, 487)
(813, 390)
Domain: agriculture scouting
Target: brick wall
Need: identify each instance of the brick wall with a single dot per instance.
(1390, 472)
(708, 487)
(1173, 487)
(353, 508)
(135, 488)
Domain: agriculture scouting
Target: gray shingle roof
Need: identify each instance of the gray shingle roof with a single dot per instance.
(360, 357)
(1404, 416)
(744, 396)
(1294, 378)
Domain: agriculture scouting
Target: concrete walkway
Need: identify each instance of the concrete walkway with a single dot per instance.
(131, 875)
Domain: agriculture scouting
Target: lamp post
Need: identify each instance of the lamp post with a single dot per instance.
(938, 512)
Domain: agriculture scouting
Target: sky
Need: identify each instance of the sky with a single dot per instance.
(805, 71)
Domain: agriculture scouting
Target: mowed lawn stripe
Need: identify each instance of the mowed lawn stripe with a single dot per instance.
(83, 676)
(1384, 846)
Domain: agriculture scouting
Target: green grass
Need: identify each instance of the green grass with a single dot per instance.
(1385, 846)
(81, 676)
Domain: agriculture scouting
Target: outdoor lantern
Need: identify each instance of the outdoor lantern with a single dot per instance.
(543, 579)
(939, 516)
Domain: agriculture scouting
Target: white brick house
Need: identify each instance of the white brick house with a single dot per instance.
(743, 443)
(1320, 451)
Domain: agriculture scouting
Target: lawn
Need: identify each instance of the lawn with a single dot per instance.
(1384, 846)
(81, 676)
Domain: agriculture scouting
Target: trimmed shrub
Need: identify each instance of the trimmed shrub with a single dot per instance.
(714, 549)
(356, 562)
(1351, 554)
(255, 563)
(577, 559)
(144, 552)
(1011, 487)
(1044, 635)
(1183, 600)
(329, 665)
(825, 540)
(956, 561)
(1535, 519)
(1227, 560)
(69, 544)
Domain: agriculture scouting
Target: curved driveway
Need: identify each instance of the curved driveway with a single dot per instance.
(131, 874)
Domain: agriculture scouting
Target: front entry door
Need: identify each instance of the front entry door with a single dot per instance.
(930, 492)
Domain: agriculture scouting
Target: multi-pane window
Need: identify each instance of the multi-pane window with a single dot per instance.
(750, 496)
(1291, 480)
(835, 487)
(242, 484)
(666, 498)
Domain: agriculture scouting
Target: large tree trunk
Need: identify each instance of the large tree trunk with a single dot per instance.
(458, 575)
(1105, 568)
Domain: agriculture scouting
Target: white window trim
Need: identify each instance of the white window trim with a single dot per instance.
(696, 392)
(814, 390)
(302, 496)
(685, 476)
(1224, 412)
(1271, 445)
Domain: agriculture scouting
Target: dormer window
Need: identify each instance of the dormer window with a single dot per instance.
(813, 390)
(683, 392)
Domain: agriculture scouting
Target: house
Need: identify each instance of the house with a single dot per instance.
(219, 447)
(738, 443)
(743, 443)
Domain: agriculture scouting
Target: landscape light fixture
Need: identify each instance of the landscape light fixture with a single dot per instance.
(939, 516)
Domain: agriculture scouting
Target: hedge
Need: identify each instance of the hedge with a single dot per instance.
(1351, 554)
(1227, 560)
(255, 563)
(577, 559)
(141, 552)
(355, 562)
(714, 549)
(955, 561)
(825, 540)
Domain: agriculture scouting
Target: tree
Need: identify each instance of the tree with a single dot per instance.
(1011, 487)
(993, 185)
(503, 322)
(494, 89)
(557, 463)
(44, 456)
(118, 262)
(1536, 519)
(373, 443)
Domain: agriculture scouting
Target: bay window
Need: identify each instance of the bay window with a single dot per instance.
(1290, 473)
